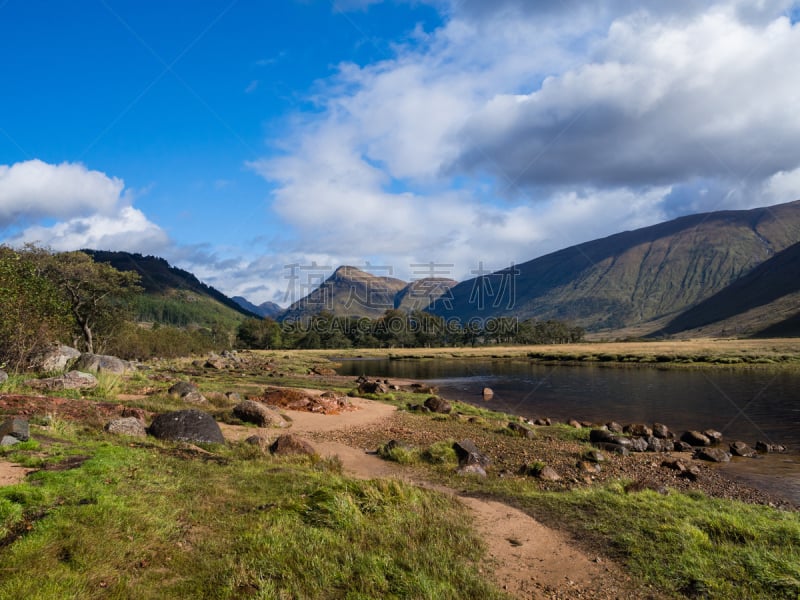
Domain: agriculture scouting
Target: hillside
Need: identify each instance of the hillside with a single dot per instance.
(353, 292)
(173, 296)
(636, 276)
(766, 298)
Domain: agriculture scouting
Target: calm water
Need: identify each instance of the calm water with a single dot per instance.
(746, 405)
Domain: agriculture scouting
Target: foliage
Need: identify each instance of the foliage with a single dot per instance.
(32, 312)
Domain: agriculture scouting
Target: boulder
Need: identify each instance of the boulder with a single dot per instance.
(74, 380)
(657, 444)
(259, 440)
(713, 435)
(468, 454)
(542, 422)
(419, 388)
(322, 371)
(575, 423)
(8, 440)
(638, 430)
(681, 446)
(615, 448)
(3, 377)
(521, 430)
(695, 438)
(186, 426)
(488, 393)
(742, 449)
(614, 427)
(16, 428)
(549, 474)
(291, 444)
(372, 387)
(661, 431)
(472, 469)
(712, 454)
(182, 388)
(262, 415)
(55, 359)
(215, 362)
(127, 426)
(766, 448)
(101, 363)
(637, 444)
(438, 405)
(602, 436)
(194, 398)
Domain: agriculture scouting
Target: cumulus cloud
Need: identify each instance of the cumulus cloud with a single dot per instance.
(34, 189)
(90, 209)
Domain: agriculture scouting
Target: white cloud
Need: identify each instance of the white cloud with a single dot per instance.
(34, 189)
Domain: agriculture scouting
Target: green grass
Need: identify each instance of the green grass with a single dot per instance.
(150, 520)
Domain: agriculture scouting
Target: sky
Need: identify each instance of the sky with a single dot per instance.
(261, 144)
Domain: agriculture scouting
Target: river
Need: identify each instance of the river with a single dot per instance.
(744, 404)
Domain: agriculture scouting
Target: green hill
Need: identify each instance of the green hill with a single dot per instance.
(632, 277)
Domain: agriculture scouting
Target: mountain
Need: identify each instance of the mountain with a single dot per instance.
(353, 292)
(632, 277)
(265, 309)
(173, 296)
(766, 300)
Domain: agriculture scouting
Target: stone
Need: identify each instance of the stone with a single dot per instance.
(695, 438)
(101, 363)
(675, 464)
(488, 393)
(713, 435)
(17, 428)
(182, 388)
(614, 427)
(712, 454)
(575, 423)
(594, 456)
(187, 426)
(468, 454)
(657, 444)
(681, 446)
(638, 430)
(194, 398)
(3, 377)
(611, 447)
(8, 440)
(637, 444)
(602, 436)
(74, 380)
(661, 431)
(549, 474)
(291, 444)
(472, 469)
(372, 387)
(438, 405)
(742, 449)
(215, 362)
(262, 415)
(766, 448)
(542, 422)
(55, 359)
(521, 430)
(322, 371)
(259, 440)
(127, 426)
(418, 388)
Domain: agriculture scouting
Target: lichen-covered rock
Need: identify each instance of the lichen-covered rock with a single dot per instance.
(55, 359)
(187, 426)
(101, 363)
(127, 426)
(74, 380)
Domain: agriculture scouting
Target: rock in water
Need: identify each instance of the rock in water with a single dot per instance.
(488, 393)
(186, 426)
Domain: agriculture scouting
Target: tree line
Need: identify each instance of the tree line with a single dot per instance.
(398, 329)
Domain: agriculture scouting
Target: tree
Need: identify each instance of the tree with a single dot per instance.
(93, 291)
(33, 315)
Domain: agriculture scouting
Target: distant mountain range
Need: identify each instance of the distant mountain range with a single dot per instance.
(729, 273)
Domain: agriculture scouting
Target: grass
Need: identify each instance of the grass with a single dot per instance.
(146, 521)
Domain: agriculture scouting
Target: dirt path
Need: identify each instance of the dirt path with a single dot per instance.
(11, 473)
(528, 559)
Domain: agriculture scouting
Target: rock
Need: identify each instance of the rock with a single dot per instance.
(575, 423)
(127, 426)
(8, 440)
(3, 377)
(182, 388)
(488, 393)
(55, 359)
(594, 456)
(638, 430)
(262, 415)
(101, 363)
(637, 444)
(438, 405)
(291, 444)
(372, 387)
(131, 411)
(188, 426)
(549, 474)
(681, 446)
(194, 398)
(259, 440)
(215, 362)
(602, 436)
(418, 388)
(661, 431)
(468, 454)
(713, 435)
(742, 449)
(657, 444)
(589, 467)
(418, 408)
(611, 447)
(695, 438)
(675, 464)
(472, 469)
(766, 448)
(614, 427)
(233, 396)
(322, 371)
(16, 428)
(712, 454)
(543, 422)
(520, 430)
(74, 380)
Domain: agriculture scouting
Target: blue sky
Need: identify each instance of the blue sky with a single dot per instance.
(236, 138)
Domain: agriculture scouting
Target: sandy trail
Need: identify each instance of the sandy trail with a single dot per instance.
(11, 473)
(527, 559)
